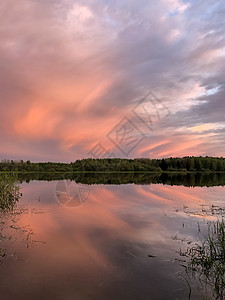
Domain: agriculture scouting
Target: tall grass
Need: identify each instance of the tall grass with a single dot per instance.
(9, 191)
(207, 259)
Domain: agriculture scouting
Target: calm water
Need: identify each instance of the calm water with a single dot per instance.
(76, 241)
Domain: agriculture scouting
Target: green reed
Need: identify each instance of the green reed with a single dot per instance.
(207, 259)
(9, 191)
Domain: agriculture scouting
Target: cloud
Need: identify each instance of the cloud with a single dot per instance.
(69, 73)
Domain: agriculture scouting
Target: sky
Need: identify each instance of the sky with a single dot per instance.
(111, 78)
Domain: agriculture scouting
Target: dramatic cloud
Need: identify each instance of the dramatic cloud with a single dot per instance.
(70, 71)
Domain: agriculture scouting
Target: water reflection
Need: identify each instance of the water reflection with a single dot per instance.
(70, 194)
(190, 179)
(116, 245)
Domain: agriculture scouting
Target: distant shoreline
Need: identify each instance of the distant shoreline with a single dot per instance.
(184, 165)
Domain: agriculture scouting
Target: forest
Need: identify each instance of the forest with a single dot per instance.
(184, 164)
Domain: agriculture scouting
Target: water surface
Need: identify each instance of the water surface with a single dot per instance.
(71, 240)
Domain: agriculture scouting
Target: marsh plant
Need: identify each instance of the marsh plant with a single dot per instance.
(10, 214)
(206, 260)
(9, 191)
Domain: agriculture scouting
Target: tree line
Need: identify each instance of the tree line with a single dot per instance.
(41, 167)
(184, 164)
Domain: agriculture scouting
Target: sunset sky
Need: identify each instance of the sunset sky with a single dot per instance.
(111, 79)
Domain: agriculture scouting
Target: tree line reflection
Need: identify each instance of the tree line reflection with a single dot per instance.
(189, 179)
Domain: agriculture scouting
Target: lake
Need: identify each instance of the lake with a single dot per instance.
(71, 240)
